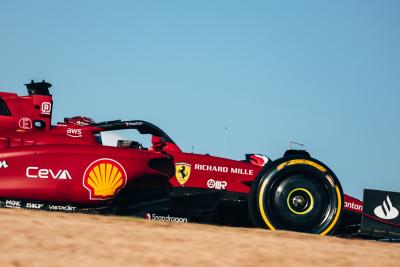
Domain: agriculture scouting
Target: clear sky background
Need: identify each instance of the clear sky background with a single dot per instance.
(227, 77)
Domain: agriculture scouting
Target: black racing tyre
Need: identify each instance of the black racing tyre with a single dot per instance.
(296, 194)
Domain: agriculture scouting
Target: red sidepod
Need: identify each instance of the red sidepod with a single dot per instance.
(75, 173)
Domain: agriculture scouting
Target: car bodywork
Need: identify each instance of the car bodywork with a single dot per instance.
(67, 167)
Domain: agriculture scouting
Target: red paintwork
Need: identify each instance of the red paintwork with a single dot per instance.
(72, 147)
(64, 147)
(36, 107)
(353, 204)
(238, 175)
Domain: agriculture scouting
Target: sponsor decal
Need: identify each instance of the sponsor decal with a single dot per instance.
(36, 172)
(13, 204)
(75, 133)
(104, 178)
(17, 204)
(182, 172)
(353, 206)
(221, 169)
(62, 208)
(3, 164)
(215, 184)
(37, 206)
(25, 123)
(132, 124)
(386, 211)
(46, 108)
(242, 171)
(154, 217)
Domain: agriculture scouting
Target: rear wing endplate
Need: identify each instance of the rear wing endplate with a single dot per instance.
(381, 215)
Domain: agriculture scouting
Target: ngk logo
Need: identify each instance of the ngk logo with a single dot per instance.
(25, 123)
(13, 204)
(46, 108)
(35, 172)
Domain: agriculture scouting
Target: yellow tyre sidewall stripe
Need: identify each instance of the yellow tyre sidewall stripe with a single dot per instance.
(339, 209)
(261, 205)
(301, 161)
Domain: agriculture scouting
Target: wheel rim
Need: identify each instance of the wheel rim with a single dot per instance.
(300, 201)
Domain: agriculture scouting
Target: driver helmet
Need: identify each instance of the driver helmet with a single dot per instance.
(157, 143)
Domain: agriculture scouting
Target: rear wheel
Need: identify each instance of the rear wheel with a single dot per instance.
(297, 194)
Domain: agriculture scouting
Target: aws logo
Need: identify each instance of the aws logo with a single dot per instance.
(75, 133)
(104, 178)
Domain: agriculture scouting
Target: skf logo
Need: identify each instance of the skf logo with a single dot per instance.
(25, 123)
(35, 172)
(214, 184)
(75, 133)
(46, 108)
(104, 178)
(34, 206)
(386, 211)
(3, 164)
(182, 172)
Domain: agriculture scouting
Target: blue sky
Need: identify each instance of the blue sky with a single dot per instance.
(322, 73)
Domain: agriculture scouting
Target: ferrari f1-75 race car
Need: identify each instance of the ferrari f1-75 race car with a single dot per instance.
(82, 166)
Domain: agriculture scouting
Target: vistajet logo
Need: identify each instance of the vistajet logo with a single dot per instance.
(386, 211)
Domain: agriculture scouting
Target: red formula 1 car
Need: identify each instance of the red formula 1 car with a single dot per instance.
(80, 165)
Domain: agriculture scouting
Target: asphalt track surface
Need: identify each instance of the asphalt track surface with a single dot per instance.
(39, 238)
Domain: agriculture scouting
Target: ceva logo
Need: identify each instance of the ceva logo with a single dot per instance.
(386, 211)
(35, 172)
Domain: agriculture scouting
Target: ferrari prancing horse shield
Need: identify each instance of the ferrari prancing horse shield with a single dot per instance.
(182, 172)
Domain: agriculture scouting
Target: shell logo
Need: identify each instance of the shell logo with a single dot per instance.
(104, 178)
